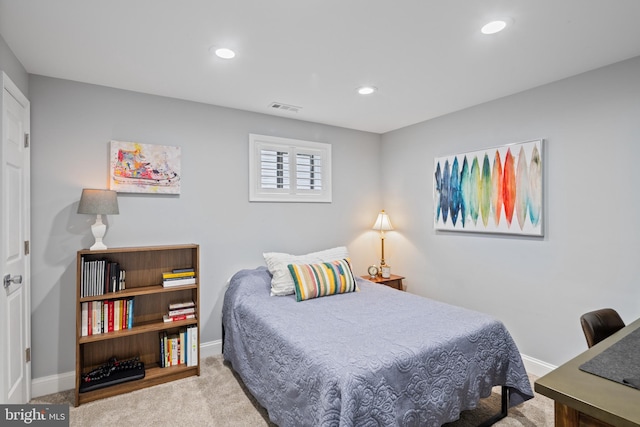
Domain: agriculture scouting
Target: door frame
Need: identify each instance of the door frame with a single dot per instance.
(14, 91)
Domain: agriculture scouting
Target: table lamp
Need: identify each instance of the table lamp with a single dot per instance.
(383, 223)
(98, 202)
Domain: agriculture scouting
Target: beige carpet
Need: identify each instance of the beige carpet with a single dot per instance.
(218, 398)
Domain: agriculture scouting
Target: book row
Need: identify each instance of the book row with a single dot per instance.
(99, 277)
(179, 348)
(99, 317)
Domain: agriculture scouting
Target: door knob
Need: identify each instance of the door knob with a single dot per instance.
(8, 280)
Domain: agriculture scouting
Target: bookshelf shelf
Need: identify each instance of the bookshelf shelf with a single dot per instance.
(144, 267)
(156, 326)
(153, 376)
(142, 290)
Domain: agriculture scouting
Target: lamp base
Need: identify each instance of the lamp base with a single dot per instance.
(98, 246)
(98, 229)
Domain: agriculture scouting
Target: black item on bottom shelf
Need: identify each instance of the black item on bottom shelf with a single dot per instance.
(113, 372)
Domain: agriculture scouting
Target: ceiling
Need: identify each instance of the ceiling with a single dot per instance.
(426, 57)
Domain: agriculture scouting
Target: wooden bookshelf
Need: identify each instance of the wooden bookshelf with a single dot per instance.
(144, 267)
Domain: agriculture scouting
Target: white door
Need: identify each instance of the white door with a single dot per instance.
(15, 295)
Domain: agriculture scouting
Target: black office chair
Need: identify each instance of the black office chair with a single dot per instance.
(600, 324)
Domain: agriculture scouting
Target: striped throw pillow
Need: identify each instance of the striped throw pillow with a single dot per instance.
(318, 280)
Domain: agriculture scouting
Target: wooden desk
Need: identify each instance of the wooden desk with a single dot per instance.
(585, 400)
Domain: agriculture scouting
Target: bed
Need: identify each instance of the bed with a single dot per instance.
(376, 357)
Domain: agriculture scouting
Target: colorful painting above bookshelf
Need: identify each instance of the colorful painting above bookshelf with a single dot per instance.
(144, 168)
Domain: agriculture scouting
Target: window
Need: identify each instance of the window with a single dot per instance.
(288, 170)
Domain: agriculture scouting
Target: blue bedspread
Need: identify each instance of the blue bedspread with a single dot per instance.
(377, 357)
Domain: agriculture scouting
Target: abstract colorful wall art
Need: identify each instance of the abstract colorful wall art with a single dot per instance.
(497, 190)
(144, 168)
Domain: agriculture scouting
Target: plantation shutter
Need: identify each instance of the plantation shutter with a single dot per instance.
(288, 170)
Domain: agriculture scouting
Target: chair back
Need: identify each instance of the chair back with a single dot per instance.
(600, 324)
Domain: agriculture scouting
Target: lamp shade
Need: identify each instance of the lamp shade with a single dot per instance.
(98, 202)
(383, 223)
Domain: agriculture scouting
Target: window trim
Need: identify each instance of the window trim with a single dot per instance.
(293, 147)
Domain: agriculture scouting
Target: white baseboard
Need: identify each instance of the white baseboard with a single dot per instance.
(67, 380)
(536, 367)
(211, 348)
(53, 384)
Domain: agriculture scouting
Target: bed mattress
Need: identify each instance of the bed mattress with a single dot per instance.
(376, 357)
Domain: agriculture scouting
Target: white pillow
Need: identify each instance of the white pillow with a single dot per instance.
(277, 262)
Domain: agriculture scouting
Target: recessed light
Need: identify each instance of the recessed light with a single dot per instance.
(222, 52)
(367, 90)
(495, 26)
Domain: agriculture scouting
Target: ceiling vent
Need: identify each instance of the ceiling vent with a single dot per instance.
(285, 107)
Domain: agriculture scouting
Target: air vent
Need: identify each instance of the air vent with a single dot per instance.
(285, 107)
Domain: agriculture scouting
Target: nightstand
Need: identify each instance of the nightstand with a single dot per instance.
(393, 281)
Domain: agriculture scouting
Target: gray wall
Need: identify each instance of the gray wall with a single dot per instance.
(14, 69)
(588, 257)
(72, 124)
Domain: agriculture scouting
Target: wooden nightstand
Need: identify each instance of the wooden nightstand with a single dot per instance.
(393, 281)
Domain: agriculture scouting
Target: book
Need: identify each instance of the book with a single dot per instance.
(182, 347)
(90, 268)
(83, 291)
(104, 313)
(178, 305)
(130, 313)
(179, 282)
(110, 316)
(122, 275)
(167, 318)
(192, 340)
(102, 288)
(180, 311)
(84, 330)
(122, 314)
(106, 278)
(101, 318)
(96, 310)
(162, 349)
(117, 315)
(183, 270)
(114, 275)
(173, 349)
(178, 275)
(90, 318)
(127, 313)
